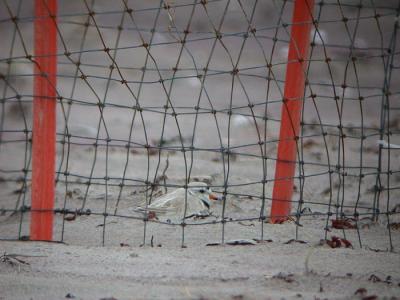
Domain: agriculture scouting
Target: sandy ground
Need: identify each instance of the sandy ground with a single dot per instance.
(264, 271)
(146, 260)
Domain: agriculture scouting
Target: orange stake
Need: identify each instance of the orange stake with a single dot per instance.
(44, 120)
(291, 109)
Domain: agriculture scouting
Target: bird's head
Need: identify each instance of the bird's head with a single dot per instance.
(202, 191)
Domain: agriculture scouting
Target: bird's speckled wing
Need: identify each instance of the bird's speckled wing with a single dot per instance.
(170, 200)
(172, 206)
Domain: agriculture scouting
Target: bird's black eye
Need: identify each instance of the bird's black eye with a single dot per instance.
(201, 191)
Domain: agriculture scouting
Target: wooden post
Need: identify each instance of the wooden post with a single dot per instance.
(44, 120)
(291, 109)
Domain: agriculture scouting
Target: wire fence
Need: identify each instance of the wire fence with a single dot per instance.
(154, 95)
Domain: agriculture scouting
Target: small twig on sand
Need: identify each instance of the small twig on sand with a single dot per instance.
(244, 224)
(13, 260)
(164, 176)
(111, 222)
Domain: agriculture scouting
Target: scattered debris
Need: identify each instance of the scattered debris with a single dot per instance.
(377, 250)
(371, 297)
(15, 260)
(239, 242)
(173, 140)
(244, 224)
(263, 241)
(337, 242)
(200, 216)
(151, 215)
(124, 245)
(243, 278)
(360, 291)
(343, 224)
(394, 226)
(306, 210)
(213, 244)
(285, 277)
(69, 217)
(284, 220)
(70, 296)
(295, 241)
(103, 224)
(388, 280)
(374, 278)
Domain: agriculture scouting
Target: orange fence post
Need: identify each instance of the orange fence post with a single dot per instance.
(44, 120)
(291, 109)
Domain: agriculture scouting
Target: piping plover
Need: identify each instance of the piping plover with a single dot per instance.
(171, 206)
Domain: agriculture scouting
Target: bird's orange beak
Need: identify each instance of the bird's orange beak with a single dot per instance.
(213, 197)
